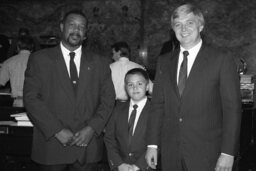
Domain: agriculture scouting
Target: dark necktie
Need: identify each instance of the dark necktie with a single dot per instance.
(183, 72)
(73, 70)
(131, 121)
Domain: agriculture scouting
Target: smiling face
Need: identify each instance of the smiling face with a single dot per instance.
(187, 28)
(136, 86)
(187, 22)
(73, 31)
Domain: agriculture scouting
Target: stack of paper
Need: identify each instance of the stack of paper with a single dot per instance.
(246, 79)
(22, 119)
(247, 88)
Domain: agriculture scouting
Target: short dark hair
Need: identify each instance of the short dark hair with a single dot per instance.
(76, 12)
(123, 47)
(25, 43)
(23, 31)
(138, 71)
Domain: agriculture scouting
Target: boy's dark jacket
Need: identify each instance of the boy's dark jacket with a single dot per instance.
(116, 137)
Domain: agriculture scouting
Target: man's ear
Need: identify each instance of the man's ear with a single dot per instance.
(61, 27)
(201, 27)
(85, 36)
(147, 87)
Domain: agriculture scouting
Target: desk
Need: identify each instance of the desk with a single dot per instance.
(16, 143)
(6, 111)
(248, 139)
(6, 99)
(247, 135)
(15, 147)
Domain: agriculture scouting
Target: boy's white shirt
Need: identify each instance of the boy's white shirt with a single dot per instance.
(141, 105)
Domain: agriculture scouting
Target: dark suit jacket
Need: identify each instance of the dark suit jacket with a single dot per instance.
(202, 123)
(116, 138)
(52, 105)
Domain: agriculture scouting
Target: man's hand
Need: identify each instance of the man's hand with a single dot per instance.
(83, 137)
(64, 136)
(125, 167)
(224, 163)
(135, 168)
(151, 157)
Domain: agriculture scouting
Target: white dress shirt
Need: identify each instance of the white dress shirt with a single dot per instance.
(77, 59)
(191, 57)
(141, 105)
(13, 69)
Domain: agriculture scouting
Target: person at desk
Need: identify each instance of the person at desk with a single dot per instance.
(23, 32)
(196, 104)
(69, 96)
(121, 55)
(13, 69)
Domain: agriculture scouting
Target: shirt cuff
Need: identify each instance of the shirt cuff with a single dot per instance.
(135, 167)
(152, 146)
(226, 154)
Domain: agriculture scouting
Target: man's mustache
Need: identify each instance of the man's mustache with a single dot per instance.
(75, 34)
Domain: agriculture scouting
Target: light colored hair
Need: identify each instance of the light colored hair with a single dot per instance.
(187, 9)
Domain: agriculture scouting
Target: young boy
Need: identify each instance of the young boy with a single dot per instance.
(125, 136)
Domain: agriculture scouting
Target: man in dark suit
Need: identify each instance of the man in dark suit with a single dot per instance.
(125, 136)
(196, 106)
(69, 96)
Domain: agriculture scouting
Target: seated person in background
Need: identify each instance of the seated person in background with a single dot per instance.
(121, 56)
(13, 69)
(125, 136)
(22, 32)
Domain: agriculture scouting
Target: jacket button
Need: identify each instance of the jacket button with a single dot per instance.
(180, 120)
(130, 154)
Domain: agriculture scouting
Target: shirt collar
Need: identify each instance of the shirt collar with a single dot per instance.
(140, 103)
(66, 52)
(24, 51)
(193, 50)
(123, 59)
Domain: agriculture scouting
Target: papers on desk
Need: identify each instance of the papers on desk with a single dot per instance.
(5, 93)
(22, 119)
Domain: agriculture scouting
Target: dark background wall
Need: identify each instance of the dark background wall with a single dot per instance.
(144, 24)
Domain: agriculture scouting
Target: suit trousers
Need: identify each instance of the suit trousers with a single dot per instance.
(70, 167)
(183, 165)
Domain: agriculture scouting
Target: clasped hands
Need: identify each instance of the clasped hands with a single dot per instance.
(81, 138)
(127, 167)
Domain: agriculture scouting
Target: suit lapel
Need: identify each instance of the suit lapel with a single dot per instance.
(63, 74)
(141, 124)
(173, 70)
(86, 67)
(124, 120)
(196, 69)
